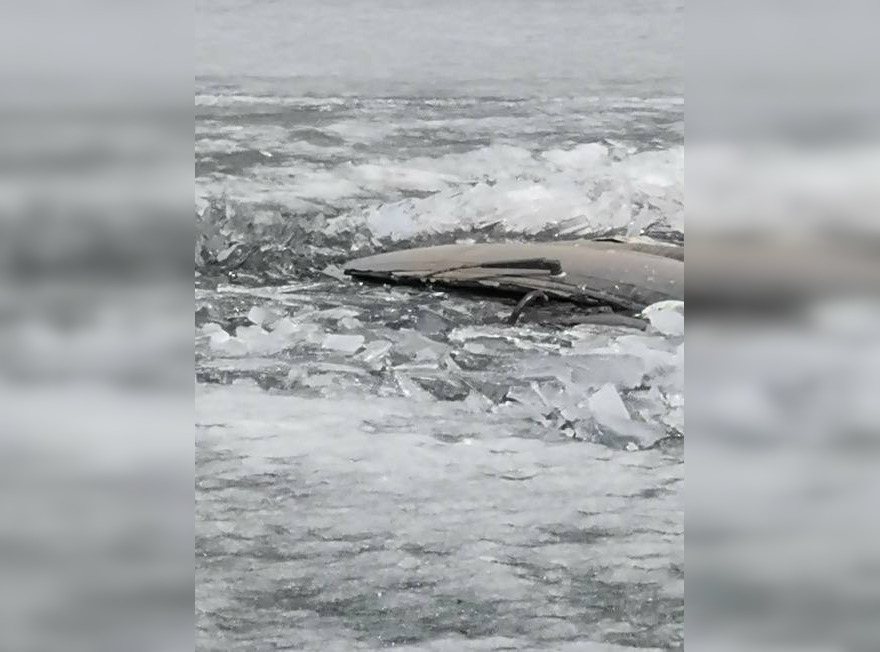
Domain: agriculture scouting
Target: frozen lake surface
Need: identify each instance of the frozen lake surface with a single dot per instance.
(376, 469)
(386, 468)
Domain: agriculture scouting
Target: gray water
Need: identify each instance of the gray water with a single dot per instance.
(380, 467)
(502, 47)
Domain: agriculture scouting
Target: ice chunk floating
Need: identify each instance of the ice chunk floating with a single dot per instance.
(623, 276)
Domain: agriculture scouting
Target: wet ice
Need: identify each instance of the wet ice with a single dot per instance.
(381, 467)
(584, 381)
(343, 343)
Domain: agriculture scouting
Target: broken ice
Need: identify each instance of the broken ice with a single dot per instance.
(607, 407)
(666, 317)
(343, 343)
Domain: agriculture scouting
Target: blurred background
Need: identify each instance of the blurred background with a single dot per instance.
(783, 327)
(500, 115)
(96, 435)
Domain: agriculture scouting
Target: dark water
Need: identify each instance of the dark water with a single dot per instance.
(386, 468)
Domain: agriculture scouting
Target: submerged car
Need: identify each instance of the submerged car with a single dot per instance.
(613, 279)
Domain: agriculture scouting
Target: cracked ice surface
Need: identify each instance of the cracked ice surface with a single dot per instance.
(389, 469)
(390, 466)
